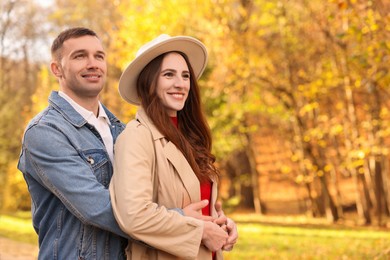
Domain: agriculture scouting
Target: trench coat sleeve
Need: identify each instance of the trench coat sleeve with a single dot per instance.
(131, 192)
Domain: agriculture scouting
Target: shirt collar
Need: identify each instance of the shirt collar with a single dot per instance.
(85, 113)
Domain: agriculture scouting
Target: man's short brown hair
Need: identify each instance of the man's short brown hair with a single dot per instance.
(71, 33)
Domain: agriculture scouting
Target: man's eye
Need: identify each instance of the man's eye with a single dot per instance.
(79, 56)
(100, 57)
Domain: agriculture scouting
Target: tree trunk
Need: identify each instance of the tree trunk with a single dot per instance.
(330, 207)
(335, 182)
(254, 175)
(386, 184)
(379, 190)
(362, 202)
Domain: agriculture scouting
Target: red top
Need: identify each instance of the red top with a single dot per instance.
(205, 194)
(174, 121)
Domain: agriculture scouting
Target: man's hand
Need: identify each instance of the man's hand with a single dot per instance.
(229, 225)
(194, 210)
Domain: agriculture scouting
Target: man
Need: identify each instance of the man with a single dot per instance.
(67, 156)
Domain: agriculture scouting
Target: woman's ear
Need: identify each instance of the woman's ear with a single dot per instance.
(55, 69)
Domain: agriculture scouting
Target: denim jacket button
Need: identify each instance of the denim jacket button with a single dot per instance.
(90, 160)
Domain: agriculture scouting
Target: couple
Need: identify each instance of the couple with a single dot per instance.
(160, 202)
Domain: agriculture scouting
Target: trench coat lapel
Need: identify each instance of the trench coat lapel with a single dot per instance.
(188, 177)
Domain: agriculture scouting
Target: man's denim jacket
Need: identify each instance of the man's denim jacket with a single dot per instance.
(68, 171)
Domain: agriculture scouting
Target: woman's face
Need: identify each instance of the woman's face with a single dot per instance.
(173, 83)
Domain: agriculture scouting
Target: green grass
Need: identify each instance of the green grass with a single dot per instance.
(258, 241)
(18, 227)
(294, 238)
(273, 238)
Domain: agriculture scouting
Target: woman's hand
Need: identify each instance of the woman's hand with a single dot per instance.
(229, 225)
(225, 223)
(214, 237)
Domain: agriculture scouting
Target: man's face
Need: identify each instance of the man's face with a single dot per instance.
(82, 68)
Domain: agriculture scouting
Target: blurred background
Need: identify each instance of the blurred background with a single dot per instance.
(296, 93)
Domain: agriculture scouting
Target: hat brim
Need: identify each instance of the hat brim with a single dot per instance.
(194, 49)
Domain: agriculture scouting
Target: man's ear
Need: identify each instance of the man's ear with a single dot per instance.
(55, 69)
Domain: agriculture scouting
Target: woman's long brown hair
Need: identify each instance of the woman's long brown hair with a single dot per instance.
(193, 136)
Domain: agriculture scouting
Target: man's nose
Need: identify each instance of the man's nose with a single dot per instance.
(92, 62)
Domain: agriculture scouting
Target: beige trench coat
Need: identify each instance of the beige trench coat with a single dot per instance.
(142, 154)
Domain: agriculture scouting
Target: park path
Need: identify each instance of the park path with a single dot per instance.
(14, 250)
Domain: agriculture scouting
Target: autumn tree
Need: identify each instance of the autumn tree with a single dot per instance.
(19, 39)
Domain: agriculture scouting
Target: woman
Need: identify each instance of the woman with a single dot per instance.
(163, 158)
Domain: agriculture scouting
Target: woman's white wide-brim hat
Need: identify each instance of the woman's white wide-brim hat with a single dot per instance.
(193, 48)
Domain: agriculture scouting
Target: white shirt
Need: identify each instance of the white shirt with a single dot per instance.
(101, 123)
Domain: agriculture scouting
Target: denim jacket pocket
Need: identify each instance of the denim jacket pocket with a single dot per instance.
(87, 246)
(99, 162)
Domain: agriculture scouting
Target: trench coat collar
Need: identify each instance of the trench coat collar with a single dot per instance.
(173, 154)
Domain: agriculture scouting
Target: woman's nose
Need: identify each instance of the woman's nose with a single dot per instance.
(179, 82)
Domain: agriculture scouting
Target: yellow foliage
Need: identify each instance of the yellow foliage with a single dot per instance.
(16, 195)
(45, 84)
(304, 72)
(328, 168)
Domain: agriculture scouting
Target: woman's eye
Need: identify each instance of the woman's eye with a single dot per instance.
(168, 74)
(186, 76)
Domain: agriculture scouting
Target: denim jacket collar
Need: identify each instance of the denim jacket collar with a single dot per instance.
(70, 114)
